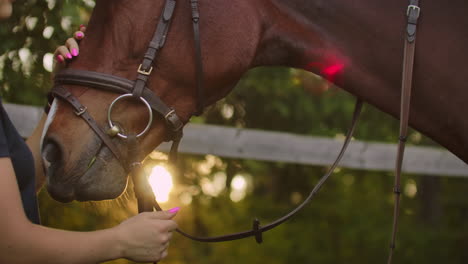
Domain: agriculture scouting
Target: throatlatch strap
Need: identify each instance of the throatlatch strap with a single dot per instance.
(198, 57)
(157, 42)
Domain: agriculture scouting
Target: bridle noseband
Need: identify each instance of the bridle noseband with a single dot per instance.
(138, 90)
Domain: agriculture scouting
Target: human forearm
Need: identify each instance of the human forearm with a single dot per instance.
(38, 244)
(144, 237)
(24, 242)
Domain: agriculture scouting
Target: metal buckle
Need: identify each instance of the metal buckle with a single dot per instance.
(148, 106)
(176, 126)
(147, 73)
(81, 111)
(413, 7)
(169, 114)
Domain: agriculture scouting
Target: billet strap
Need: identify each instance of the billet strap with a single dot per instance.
(413, 13)
(81, 111)
(257, 229)
(198, 57)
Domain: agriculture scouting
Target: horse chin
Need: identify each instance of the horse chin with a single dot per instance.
(102, 179)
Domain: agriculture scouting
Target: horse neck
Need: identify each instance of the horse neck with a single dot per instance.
(366, 37)
(312, 35)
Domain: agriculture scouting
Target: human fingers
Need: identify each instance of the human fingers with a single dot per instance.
(82, 28)
(160, 221)
(59, 59)
(79, 35)
(164, 246)
(171, 225)
(164, 254)
(163, 226)
(62, 53)
(72, 46)
(164, 250)
(164, 239)
(165, 215)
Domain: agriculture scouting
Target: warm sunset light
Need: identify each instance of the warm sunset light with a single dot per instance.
(239, 188)
(160, 180)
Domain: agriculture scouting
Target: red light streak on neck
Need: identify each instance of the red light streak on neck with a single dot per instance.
(331, 72)
(328, 63)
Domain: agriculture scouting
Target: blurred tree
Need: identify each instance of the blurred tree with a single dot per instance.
(28, 40)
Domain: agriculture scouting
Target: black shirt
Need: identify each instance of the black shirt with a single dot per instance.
(13, 146)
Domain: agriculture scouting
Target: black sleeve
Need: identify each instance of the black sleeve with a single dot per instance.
(3, 139)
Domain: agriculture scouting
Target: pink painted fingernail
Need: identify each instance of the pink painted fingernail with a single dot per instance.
(60, 58)
(74, 52)
(79, 35)
(174, 210)
(69, 56)
(82, 26)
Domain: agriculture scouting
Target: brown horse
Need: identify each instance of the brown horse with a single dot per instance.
(361, 41)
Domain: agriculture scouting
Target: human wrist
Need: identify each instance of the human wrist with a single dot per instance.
(115, 246)
(118, 242)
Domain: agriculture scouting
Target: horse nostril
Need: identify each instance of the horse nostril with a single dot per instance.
(51, 152)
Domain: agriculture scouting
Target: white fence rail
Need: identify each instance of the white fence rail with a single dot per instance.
(285, 147)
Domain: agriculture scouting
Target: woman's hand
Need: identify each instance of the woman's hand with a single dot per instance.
(145, 237)
(67, 52)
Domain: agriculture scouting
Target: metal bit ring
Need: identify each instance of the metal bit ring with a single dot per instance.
(150, 112)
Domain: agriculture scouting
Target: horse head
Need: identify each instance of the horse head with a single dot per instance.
(78, 165)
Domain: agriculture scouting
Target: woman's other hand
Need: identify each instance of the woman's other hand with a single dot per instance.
(145, 237)
(71, 49)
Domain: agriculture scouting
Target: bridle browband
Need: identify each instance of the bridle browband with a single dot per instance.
(138, 90)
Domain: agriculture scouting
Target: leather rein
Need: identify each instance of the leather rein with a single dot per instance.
(138, 90)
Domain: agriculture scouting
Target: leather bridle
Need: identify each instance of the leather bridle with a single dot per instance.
(139, 91)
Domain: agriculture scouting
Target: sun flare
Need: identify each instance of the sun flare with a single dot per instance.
(160, 181)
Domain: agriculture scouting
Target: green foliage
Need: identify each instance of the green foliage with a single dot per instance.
(349, 221)
(35, 29)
